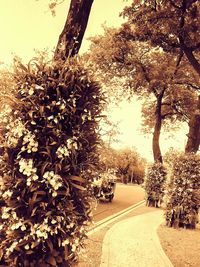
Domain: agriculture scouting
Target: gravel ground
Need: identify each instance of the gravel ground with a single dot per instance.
(91, 257)
(182, 246)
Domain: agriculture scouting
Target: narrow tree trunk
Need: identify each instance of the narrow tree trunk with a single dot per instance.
(157, 128)
(156, 136)
(70, 39)
(193, 141)
(193, 61)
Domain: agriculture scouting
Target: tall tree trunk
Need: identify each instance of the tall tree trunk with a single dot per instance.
(157, 128)
(71, 37)
(193, 141)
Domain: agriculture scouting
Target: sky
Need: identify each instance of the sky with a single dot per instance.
(27, 25)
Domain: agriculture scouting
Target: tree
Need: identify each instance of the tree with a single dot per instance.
(194, 131)
(172, 25)
(127, 163)
(139, 69)
(70, 39)
(175, 27)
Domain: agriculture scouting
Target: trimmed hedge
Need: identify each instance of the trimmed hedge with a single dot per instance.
(155, 184)
(48, 155)
(184, 192)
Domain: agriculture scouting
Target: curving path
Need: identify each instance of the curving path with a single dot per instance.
(134, 243)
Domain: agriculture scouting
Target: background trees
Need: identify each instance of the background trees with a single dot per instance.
(128, 165)
(172, 25)
(130, 67)
(175, 27)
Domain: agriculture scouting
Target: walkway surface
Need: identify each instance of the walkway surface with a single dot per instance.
(134, 242)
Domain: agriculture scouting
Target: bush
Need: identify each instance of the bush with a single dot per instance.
(48, 155)
(184, 192)
(155, 184)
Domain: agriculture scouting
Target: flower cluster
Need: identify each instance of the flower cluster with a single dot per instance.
(29, 143)
(62, 152)
(30, 90)
(8, 212)
(6, 194)
(26, 168)
(72, 143)
(54, 180)
(5, 114)
(15, 129)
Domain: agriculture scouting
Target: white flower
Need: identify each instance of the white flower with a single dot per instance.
(7, 193)
(23, 227)
(28, 182)
(35, 177)
(30, 143)
(54, 194)
(39, 87)
(62, 106)
(50, 117)
(54, 180)
(31, 91)
(72, 143)
(26, 166)
(5, 215)
(65, 242)
(15, 226)
(62, 151)
(11, 248)
(15, 130)
(27, 247)
(53, 221)
(73, 247)
(55, 120)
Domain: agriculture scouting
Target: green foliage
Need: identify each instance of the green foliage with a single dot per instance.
(48, 155)
(184, 192)
(155, 184)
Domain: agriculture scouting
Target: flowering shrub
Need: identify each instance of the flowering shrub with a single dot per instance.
(49, 141)
(184, 192)
(155, 184)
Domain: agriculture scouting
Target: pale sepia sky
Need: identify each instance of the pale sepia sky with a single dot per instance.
(28, 24)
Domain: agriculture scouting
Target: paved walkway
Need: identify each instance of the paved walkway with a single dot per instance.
(134, 242)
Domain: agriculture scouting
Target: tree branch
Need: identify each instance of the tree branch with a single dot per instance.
(193, 86)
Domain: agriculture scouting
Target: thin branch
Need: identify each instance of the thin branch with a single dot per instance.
(168, 114)
(193, 86)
